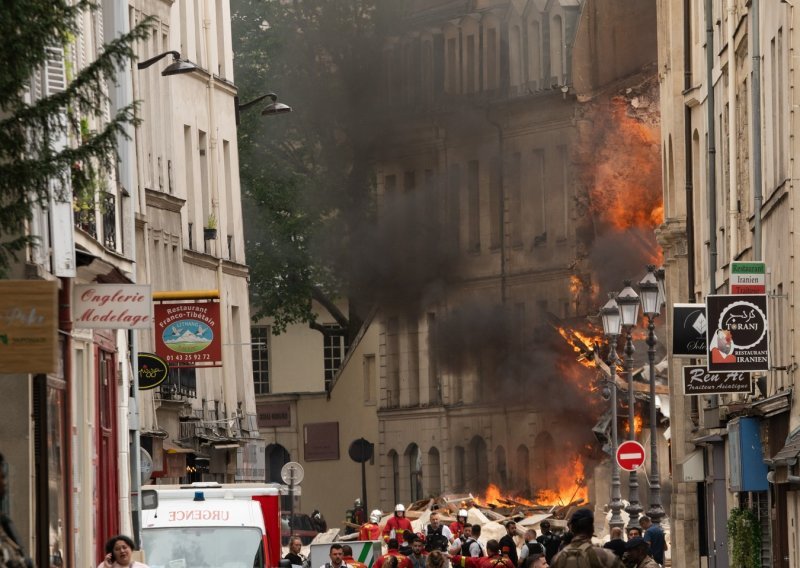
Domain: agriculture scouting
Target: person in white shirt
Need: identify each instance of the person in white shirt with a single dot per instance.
(337, 558)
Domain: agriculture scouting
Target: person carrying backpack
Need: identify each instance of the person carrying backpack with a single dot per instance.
(550, 541)
(471, 547)
(580, 552)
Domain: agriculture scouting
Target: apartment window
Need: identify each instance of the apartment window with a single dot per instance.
(515, 198)
(433, 364)
(188, 159)
(412, 334)
(474, 206)
(563, 185)
(259, 349)
(453, 206)
(556, 53)
(334, 348)
(370, 378)
(181, 383)
(471, 83)
(220, 22)
(452, 66)
(409, 181)
(393, 362)
(539, 197)
(492, 63)
(390, 183)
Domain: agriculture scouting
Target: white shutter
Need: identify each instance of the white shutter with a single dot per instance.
(61, 217)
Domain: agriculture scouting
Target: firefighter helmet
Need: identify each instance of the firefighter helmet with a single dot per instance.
(462, 514)
(357, 502)
(399, 508)
(375, 515)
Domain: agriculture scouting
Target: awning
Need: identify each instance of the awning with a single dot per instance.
(225, 446)
(172, 448)
(790, 450)
(92, 268)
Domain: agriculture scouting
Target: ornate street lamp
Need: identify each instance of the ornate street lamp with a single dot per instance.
(612, 326)
(628, 302)
(177, 67)
(651, 296)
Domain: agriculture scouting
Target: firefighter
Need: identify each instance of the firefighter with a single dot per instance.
(396, 524)
(457, 526)
(347, 552)
(371, 530)
(492, 560)
(355, 516)
(393, 552)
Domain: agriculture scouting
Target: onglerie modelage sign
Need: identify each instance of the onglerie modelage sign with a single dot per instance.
(112, 306)
(188, 334)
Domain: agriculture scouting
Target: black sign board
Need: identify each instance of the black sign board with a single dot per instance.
(737, 333)
(689, 326)
(699, 380)
(153, 371)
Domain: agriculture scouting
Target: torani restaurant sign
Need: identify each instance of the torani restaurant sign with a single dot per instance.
(737, 333)
(28, 326)
(699, 380)
(112, 306)
(188, 334)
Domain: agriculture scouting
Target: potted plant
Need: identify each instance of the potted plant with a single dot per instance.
(210, 230)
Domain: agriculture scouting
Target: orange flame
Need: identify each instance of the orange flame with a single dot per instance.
(571, 487)
(494, 497)
(638, 424)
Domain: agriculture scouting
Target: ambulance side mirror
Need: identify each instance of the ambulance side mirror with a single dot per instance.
(149, 499)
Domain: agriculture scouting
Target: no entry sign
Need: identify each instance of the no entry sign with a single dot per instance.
(630, 455)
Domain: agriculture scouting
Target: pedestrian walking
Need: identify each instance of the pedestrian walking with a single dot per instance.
(119, 553)
(637, 554)
(580, 551)
(508, 546)
(531, 547)
(550, 541)
(616, 544)
(654, 536)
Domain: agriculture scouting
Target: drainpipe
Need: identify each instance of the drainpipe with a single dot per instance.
(758, 198)
(733, 212)
(712, 152)
(687, 149)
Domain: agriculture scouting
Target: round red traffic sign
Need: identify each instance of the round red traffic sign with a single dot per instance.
(630, 455)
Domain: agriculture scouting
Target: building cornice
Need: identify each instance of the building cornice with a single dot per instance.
(165, 201)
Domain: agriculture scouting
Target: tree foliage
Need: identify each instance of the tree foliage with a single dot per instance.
(29, 156)
(306, 176)
(744, 538)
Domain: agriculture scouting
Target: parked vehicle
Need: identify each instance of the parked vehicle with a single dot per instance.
(208, 524)
(302, 526)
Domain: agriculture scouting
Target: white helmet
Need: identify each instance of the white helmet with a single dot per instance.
(462, 513)
(375, 515)
(399, 508)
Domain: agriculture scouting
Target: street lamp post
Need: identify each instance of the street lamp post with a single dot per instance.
(628, 302)
(651, 295)
(612, 325)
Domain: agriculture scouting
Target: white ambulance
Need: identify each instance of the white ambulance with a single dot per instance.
(211, 525)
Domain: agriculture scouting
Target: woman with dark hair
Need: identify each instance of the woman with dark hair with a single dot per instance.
(436, 559)
(119, 553)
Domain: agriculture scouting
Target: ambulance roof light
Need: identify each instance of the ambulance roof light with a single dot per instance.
(198, 496)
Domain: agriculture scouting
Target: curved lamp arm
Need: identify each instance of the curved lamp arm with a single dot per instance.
(248, 104)
(149, 62)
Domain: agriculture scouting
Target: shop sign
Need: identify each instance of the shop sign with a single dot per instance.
(689, 330)
(748, 278)
(188, 334)
(28, 326)
(153, 370)
(112, 306)
(699, 380)
(273, 415)
(737, 333)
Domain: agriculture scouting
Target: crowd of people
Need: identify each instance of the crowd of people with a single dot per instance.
(458, 545)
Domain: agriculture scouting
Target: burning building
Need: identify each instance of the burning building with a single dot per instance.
(521, 159)
(518, 178)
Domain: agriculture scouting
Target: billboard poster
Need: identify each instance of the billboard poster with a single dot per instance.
(737, 338)
(188, 334)
(689, 330)
(699, 380)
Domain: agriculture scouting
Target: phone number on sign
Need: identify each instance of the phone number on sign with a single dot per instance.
(188, 357)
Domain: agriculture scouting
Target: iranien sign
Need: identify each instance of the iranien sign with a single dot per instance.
(737, 333)
(699, 380)
(748, 278)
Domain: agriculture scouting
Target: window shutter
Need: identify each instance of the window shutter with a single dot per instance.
(61, 218)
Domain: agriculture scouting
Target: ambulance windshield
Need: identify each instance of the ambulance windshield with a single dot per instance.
(203, 547)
